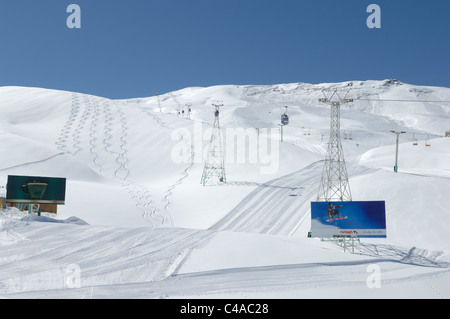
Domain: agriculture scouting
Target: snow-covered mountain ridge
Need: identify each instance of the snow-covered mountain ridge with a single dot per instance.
(150, 222)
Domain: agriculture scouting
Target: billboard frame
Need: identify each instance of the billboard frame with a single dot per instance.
(35, 190)
(353, 219)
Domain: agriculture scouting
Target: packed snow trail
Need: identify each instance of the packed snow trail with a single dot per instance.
(275, 207)
(38, 253)
(142, 262)
(280, 206)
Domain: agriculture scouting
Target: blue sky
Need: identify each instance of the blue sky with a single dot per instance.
(137, 48)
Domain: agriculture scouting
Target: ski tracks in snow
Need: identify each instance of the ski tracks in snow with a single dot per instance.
(170, 190)
(280, 206)
(62, 141)
(275, 207)
(97, 129)
(133, 262)
(104, 255)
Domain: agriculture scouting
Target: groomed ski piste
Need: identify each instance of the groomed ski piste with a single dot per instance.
(137, 223)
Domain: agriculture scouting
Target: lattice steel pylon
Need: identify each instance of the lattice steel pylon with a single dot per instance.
(214, 165)
(334, 185)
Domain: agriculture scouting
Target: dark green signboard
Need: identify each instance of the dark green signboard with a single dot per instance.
(36, 190)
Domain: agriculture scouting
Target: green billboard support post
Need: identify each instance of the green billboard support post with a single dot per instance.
(36, 191)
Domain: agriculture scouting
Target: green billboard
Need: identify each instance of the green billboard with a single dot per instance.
(36, 190)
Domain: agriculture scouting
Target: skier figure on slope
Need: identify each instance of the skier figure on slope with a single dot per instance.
(333, 211)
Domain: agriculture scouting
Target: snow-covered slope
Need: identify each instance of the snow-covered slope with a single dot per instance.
(133, 170)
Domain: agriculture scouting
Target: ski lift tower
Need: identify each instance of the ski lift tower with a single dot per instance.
(214, 165)
(334, 185)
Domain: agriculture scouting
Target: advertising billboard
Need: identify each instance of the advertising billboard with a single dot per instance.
(36, 190)
(354, 219)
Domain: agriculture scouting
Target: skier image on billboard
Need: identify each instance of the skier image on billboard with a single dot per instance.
(333, 211)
